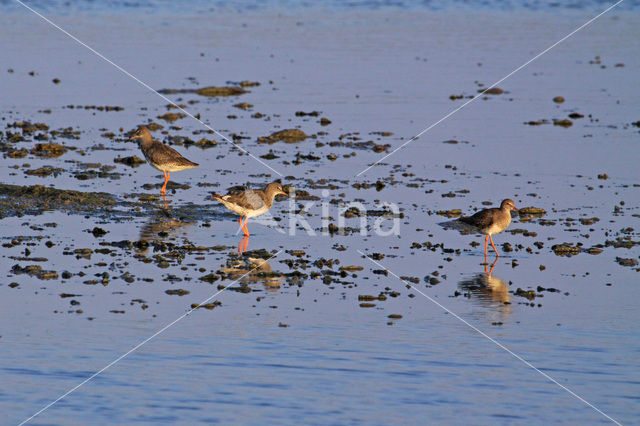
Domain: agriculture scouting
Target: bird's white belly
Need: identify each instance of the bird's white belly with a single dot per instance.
(258, 212)
(496, 228)
(166, 167)
(243, 211)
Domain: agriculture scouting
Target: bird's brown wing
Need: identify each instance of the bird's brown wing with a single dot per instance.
(481, 220)
(166, 154)
(249, 200)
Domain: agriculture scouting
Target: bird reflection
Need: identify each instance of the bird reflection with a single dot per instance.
(488, 290)
(243, 245)
(162, 224)
(253, 267)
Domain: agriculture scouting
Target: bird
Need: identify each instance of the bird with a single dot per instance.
(250, 203)
(161, 156)
(491, 221)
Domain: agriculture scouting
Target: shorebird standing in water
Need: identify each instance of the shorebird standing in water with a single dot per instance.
(491, 221)
(161, 156)
(250, 203)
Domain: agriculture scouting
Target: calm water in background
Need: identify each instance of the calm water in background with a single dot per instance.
(369, 67)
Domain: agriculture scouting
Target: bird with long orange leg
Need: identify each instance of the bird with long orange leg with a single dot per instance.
(250, 203)
(491, 221)
(161, 156)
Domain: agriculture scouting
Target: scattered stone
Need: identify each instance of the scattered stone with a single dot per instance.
(626, 261)
(563, 123)
(243, 105)
(213, 91)
(210, 91)
(208, 306)
(132, 161)
(533, 211)
(48, 150)
(287, 135)
(98, 232)
(566, 249)
(491, 91)
(528, 294)
(367, 297)
(172, 116)
(450, 213)
(178, 292)
(310, 114)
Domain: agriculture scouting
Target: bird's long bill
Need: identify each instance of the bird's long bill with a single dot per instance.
(132, 138)
(515, 208)
(283, 193)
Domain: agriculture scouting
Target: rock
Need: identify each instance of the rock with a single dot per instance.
(132, 161)
(172, 116)
(563, 123)
(534, 211)
(287, 135)
(626, 261)
(210, 91)
(492, 91)
(243, 105)
(178, 292)
(450, 213)
(213, 91)
(565, 249)
(528, 294)
(48, 150)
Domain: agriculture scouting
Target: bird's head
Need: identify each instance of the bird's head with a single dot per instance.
(275, 188)
(508, 204)
(142, 133)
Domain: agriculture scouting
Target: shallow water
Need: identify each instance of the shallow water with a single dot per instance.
(301, 348)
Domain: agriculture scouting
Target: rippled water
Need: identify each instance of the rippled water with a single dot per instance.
(304, 349)
(285, 6)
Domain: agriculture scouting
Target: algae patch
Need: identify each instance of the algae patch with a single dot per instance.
(16, 200)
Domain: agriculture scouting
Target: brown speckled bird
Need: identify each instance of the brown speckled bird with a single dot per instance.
(491, 221)
(250, 203)
(161, 156)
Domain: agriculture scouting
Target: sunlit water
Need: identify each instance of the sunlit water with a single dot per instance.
(303, 349)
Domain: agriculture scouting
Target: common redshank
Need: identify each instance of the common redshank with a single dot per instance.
(491, 221)
(161, 156)
(250, 203)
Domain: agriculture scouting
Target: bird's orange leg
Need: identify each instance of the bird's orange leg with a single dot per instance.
(486, 243)
(244, 227)
(494, 247)
(166, 180)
